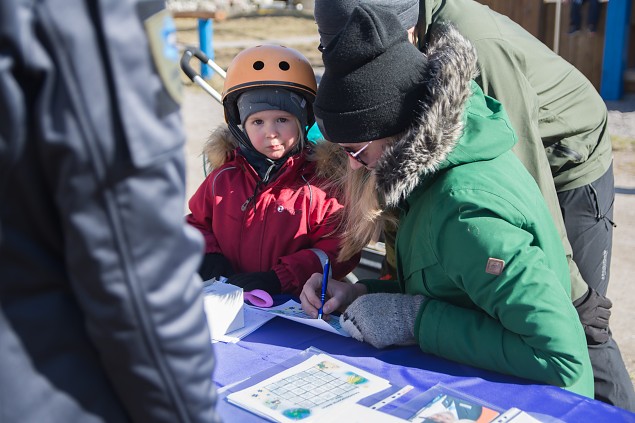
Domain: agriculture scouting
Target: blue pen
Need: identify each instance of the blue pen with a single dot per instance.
(325, 282)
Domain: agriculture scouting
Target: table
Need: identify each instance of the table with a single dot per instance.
(281, 339)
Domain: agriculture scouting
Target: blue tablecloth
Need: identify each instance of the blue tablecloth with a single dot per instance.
(281, 339)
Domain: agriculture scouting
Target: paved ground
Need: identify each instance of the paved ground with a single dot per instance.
(201, 113)
(621, 289)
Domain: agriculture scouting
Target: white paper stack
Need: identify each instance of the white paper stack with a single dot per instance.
(224, 308)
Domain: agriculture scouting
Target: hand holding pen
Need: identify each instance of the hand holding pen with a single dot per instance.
(325, 281)
(340, 295)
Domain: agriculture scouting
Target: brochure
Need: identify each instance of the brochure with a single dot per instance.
(308, 391)
(441, 403)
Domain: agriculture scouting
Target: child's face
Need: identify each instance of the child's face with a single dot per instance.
(272, 132)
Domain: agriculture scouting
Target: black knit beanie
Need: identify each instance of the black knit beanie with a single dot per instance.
(373, 79)
(331, 15)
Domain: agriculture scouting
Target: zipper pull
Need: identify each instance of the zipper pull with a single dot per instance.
(268, 173)
(246, 203)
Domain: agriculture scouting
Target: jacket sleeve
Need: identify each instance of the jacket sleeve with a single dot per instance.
(294, 269)
(202, 212)
(508, 323)
(111, 131)
(503, 76)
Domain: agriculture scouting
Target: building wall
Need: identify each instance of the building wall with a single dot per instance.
(583, 50)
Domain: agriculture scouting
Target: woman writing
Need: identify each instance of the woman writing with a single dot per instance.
(482, 274)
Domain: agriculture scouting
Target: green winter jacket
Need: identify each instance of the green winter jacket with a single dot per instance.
(559, 118)
(476, 237)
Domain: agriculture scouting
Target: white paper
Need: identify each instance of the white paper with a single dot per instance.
(223, 305)
(516, 416)
(355, 413)
(254, 318)
(293, 311)
(306, 390)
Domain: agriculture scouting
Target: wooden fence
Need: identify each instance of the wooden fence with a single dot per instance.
(583, 50)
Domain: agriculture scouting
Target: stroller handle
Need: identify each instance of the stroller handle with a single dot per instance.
(187, 56)
(190, 52)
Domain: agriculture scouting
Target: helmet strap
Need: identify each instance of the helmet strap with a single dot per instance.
(241, 136)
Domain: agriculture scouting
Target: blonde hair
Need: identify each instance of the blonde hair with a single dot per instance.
(364, 216)
(301, 131)
(356, 191)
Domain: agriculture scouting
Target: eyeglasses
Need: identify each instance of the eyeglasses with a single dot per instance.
(355, 154)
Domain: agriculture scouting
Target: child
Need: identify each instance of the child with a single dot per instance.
(265, 213)
(482, 275)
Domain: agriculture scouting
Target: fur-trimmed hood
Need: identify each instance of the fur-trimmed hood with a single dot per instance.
(455, 123)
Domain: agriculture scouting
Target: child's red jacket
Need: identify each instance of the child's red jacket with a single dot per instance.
(277, 230)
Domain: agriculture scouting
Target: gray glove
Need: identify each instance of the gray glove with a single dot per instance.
(383, 319)
(594, 311)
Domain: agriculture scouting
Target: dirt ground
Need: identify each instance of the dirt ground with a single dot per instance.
(201, 113)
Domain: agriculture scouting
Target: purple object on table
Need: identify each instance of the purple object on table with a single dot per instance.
(258, 298)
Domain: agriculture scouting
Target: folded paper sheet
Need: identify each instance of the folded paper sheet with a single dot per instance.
(292, 310)
(224, 307)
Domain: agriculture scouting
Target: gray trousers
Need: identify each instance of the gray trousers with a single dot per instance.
(588, 218)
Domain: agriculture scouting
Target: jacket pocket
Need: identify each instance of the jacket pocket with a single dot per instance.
(150, 91)
(415, 265)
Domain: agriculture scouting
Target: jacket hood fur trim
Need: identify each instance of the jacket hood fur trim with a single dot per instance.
(219, 148)
(440, 120)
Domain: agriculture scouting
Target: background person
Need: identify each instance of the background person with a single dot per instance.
(575, 16)
(483, 278)
(267, 219)
(562, 127)
(101, 315)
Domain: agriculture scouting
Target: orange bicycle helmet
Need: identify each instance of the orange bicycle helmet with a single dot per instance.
(267, 66)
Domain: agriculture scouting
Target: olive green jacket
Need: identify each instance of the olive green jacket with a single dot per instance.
(558, 116)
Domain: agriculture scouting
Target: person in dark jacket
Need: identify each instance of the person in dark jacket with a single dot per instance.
(101, 311)
(265, 210)
(563, 141)
(482, 275)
